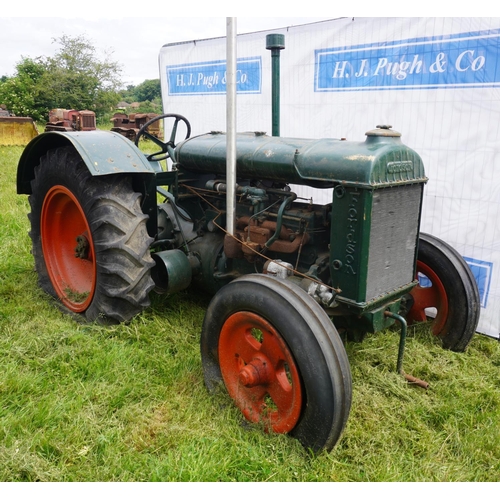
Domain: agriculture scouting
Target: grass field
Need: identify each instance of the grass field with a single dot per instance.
(80, 402)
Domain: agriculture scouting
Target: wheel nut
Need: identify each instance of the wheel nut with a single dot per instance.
(254, 373)
(249, 376)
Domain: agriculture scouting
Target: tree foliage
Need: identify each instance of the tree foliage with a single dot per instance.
(21, 93)
(148, 90)
(74, 78)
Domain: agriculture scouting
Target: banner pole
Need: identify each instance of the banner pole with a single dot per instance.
(231, 123)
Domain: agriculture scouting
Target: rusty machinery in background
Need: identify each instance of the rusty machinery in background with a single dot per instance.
(69, 120)
(129, 125)
(15, 130)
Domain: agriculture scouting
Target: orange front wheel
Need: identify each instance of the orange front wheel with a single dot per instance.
(280, 358)
(447, 294)
(259, 371)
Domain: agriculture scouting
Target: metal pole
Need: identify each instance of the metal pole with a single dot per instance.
(231, 123)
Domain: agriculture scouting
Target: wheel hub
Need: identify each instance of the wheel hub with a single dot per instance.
(258, 372)
(82, 247)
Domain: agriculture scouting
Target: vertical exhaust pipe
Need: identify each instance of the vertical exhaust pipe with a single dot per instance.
(275, 43)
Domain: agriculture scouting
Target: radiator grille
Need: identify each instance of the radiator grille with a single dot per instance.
(393, 238)
(88, 121)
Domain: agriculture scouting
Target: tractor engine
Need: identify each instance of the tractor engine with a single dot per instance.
(356, 254)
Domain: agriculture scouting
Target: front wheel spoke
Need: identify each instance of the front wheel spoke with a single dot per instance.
(417, 315)
(252, 402)
(246, 348)
(282, 397)
(272, 348)
(426, 297)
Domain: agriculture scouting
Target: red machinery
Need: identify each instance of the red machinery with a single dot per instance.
(129, 125)
(68, 120)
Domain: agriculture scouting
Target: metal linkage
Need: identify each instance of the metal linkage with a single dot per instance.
(402, 341)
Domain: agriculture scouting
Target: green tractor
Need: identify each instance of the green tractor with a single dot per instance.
(289, 277)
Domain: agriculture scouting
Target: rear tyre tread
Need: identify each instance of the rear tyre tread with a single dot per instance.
(118, 227)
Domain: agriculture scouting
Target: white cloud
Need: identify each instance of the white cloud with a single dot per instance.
(135, 43)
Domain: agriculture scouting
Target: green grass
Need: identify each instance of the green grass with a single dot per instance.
(80, 402)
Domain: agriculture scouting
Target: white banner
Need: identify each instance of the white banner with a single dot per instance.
(435, 80)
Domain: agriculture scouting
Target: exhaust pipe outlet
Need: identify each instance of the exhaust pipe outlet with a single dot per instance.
(172, 272)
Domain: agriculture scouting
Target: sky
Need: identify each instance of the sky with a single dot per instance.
(133, 36)
(134, 43)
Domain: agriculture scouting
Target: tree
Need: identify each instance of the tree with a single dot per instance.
(21, 93)
(78, 79)
(75, 78)
(148, 90)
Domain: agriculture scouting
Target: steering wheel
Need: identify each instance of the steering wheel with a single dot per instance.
(167, 148)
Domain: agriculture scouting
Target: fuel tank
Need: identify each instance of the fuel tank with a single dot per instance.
(381, 160)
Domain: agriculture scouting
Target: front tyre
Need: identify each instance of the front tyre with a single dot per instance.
(447, 290)
(280, 358)
(90, 243)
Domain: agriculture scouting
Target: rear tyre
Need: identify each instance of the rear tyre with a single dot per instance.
(90, 243)
(280, 358)
(450, 291)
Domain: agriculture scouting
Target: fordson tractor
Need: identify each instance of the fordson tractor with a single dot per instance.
(110, 225)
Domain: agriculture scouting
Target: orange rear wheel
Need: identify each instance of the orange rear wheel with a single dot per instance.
(90, 240)
(68, 248)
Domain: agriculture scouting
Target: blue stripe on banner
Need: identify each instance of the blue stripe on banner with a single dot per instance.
(482, 271)
(210, 77)
(453, 61)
